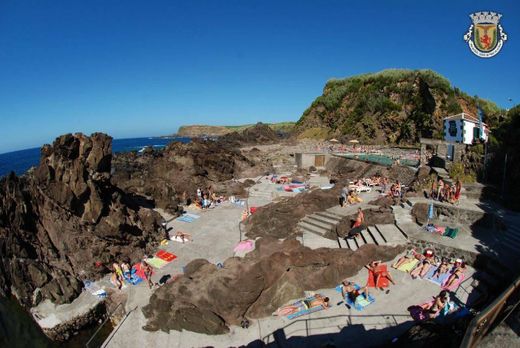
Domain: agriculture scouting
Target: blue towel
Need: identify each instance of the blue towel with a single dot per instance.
(361, 302)
(437, 280)
(185, 219)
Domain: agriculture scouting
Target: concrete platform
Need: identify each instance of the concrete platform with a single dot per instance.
(339, 324)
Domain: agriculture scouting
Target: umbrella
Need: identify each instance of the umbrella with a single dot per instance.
(354, 141)
(334, 140)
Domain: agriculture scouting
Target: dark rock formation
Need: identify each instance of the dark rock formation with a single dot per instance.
(58, 220)
(206, 299)
(258, 134)
(380, 216)
(279, 219)
(163, 175)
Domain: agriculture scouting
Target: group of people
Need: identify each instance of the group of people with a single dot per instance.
(427, 261)
(349, 197)
(122, 274)
(206, 199)
(444, 192)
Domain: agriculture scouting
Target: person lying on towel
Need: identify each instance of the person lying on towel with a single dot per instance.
(348, 289)
(379, 272)
(456, 273)
(438, 305)
(301, 305)
(443, 268)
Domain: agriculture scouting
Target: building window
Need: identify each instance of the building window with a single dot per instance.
(453, 128)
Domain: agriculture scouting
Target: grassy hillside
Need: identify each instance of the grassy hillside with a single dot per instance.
(199, 130)
(391, 106)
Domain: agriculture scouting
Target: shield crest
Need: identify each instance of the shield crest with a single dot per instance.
(485, 36)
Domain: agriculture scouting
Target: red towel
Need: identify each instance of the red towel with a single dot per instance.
(383, 281)
(166, 256)
(139, 271)
(252, 210)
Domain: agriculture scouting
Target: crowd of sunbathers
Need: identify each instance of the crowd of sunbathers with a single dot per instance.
(349, 194)
(444, 192)
(204, 199)
(446, 272)
(380, 278)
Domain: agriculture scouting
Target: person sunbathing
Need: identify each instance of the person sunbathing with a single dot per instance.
(456, 273)
(379, 272)
(438, 304)
(411, 256)
(348, 290)
(443, 268)
(301, 305)
(183, 236)
(353, 198)
(456, 194)
(427, 260)
(357, 226)
(433, 191)
(125, 267)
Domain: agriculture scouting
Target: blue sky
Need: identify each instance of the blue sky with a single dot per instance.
(143, 68)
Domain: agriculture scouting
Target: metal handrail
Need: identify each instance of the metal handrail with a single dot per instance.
(102, 324)
(349, 317)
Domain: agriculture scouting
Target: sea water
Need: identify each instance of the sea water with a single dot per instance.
(20, 161)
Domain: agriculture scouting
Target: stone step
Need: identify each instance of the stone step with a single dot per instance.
(314, 241)
(392, 234)
(343, 243)
(359, 241)
(376, 236)
(322, 219)
(305, 227)
(329, 215)
(309, 220)
(352, 245)
(367, 237)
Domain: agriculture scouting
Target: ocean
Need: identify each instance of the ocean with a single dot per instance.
(20, 161)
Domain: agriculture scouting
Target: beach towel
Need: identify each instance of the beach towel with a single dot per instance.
(305, 312)
(133, 278)
(455, 285)
(252, 210)
(437, 280)
(244, 246)
(184, 218)
(383, 281)
(409, 266)
(360, 302)
(166, 256)
(94, 289)
(179, 239)
(327, 187)
(156, 262)
(451, 232)
(139, 271)
(191, 215)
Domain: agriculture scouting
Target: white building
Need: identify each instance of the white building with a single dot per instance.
(464, 128)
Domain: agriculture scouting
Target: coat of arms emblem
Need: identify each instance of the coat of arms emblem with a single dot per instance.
(485, 36)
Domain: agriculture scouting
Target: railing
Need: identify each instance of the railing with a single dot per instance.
(492, 316)
(87, 345)
(307, 330)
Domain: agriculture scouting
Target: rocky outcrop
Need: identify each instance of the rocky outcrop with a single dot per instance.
(164, 175)
(207, 300)
(62, 222)
(258, 134)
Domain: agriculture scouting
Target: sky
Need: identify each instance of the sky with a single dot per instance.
(143, 68)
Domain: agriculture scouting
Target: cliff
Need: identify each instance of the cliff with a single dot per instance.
(392, 106)
(65, 222)
(217, 131)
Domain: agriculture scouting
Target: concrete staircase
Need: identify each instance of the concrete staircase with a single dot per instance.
(442, 173)
(387, 234)
(315, 227)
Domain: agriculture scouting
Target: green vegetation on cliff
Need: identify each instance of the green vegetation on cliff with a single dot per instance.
(200, 130)
(392, 106)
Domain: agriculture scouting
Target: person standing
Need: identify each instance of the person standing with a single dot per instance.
(343, 196)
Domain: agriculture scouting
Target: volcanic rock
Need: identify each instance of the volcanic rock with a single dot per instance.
(164, 175)
(57, 221)
(207, 299)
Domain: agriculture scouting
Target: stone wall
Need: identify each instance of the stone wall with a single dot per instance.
(443, 250)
